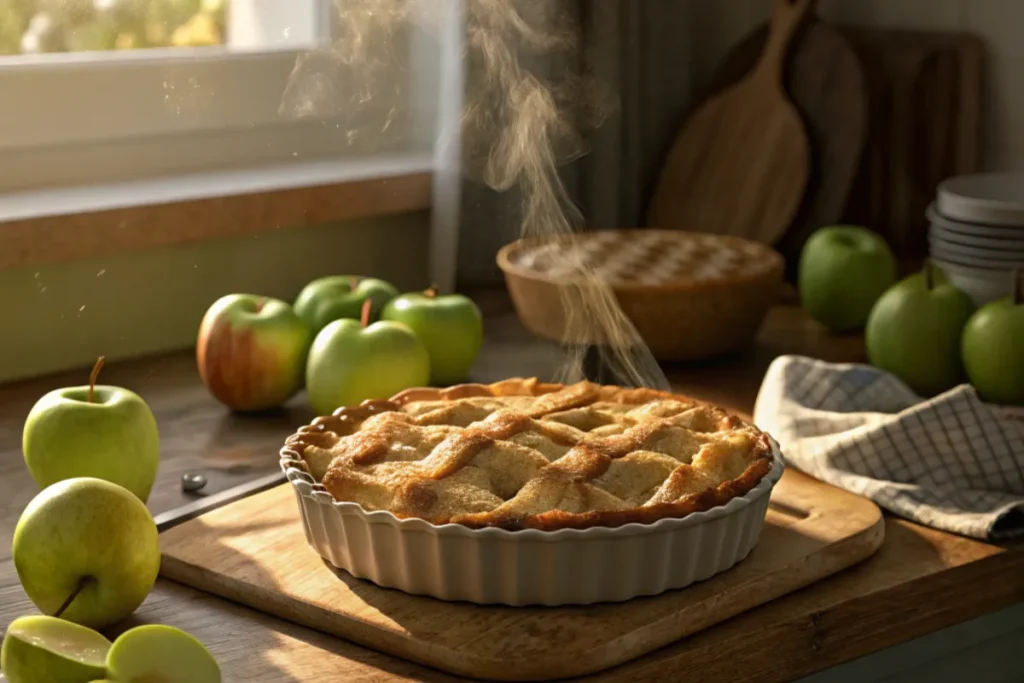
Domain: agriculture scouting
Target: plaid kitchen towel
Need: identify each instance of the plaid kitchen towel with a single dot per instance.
(951, 462)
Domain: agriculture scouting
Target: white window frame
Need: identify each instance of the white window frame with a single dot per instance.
(83, 119)
(447, 196)
(112, 116)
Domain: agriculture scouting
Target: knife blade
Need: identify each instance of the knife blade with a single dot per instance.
(199, 506)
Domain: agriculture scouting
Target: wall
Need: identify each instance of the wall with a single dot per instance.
(702, 32)
(719, 24)
(65, 315)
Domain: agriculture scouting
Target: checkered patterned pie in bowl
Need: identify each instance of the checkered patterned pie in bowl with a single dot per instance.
(689, 295)
(522, 492)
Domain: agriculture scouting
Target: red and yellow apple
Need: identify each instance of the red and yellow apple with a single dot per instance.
(252, 351)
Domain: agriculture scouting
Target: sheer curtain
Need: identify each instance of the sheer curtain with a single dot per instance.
(641, 51)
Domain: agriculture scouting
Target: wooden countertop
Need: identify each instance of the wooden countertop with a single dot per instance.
(920, 581)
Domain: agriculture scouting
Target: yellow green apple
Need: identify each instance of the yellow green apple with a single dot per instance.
(352, 361)
(843, 271)
(335, 297)
(160, 653)
(993, 349)
(87, 550)
(43, 649)
(251, 351)
(93, 431)
(914, 331)
(450, 327)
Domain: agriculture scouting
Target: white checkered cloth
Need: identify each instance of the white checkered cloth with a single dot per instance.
(952, 462)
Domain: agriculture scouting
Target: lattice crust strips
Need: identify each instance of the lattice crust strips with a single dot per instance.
(521, 454)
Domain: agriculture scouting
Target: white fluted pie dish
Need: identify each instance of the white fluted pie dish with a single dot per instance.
(530, 566)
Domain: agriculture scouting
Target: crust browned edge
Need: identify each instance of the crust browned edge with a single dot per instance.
(557, 519)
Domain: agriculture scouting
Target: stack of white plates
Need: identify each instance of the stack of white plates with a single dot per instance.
(977, 233)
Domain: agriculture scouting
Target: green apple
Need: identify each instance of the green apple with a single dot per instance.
(341, 296)
(843, 271)
(450, 327)
(993, 349)
(352, 361)
(87, 550)
(42, 649)
(93, 431)
(914, 331)
(252, 351)
(160, 653)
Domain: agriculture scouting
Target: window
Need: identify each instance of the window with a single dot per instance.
(40, 27)
(111, 90)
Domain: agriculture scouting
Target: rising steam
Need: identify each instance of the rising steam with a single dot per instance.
(518, 129)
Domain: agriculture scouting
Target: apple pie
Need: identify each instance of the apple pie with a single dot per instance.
(522, 454)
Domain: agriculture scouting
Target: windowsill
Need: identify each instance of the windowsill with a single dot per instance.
(54, 225)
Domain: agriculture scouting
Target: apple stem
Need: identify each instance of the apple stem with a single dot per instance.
(929, 275)
(82, 583)
(364, 316)
(93, 375)
(431, 291)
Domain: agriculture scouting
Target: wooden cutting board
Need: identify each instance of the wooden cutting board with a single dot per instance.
(741, 162)
(924, 126)
(876, 163)
(254, 552)
(826, 82)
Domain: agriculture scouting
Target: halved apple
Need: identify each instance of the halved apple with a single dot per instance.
(160, 653)
(42, 649)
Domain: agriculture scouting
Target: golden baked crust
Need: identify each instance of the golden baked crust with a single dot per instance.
(524, 454)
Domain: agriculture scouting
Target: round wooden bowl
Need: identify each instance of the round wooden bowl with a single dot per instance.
(689, 295)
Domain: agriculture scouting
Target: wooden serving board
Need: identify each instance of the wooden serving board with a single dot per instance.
(826, 80)
(255, 552)
(924, 122)
(740, 164)
(890, 114)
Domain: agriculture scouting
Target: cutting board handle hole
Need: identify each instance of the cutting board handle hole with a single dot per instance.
(789, 510)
